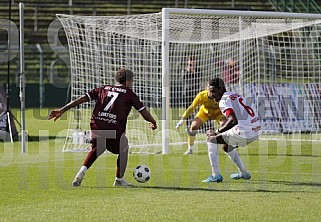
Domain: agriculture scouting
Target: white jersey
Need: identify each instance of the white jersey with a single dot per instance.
(248, 120)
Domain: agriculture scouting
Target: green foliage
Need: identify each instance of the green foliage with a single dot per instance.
(36, 186)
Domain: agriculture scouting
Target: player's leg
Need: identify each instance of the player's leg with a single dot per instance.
(188, 100)
(122, 160)
(234, 156)
(213, 155)
(214, 162)
(98, 147)
(191, 132)
(200, 118)
(234, 141)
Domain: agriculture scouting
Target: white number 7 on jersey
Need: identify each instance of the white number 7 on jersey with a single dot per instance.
(112, 96)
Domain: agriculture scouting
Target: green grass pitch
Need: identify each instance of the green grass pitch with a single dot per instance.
(36, 186)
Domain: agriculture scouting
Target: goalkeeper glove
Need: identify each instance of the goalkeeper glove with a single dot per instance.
(180, 123)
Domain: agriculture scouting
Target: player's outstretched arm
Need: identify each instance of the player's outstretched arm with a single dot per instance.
(196, 102)
(58, 112)
(186, 114)
(149, 118)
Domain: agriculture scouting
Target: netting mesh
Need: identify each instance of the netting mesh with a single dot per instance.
(274, 61)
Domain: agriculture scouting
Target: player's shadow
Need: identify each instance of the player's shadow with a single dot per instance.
(164, 188)
(249, 190)
(292, 183)
(217, 189)
(296, 186)
(283, 154)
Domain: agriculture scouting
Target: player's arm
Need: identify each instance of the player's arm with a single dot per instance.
(196, 102)
(149, 118)
(231, 121)
(58, 112)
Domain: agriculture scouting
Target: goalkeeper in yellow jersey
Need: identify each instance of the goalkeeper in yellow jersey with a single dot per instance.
(209, 110)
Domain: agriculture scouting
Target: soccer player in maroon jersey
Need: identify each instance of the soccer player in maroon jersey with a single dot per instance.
(108, 122)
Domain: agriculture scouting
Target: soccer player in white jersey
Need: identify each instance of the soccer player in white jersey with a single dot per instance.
(241, 128)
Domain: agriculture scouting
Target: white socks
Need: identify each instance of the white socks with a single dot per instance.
(213, 156)
(234, 156)
(214, 160)
(83, 169)
(81, 172)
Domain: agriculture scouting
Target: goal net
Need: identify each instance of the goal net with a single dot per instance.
(271, 58)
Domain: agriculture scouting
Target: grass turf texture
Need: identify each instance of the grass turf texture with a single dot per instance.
(36, 186)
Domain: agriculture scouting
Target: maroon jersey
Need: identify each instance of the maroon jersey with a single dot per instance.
(113, 105)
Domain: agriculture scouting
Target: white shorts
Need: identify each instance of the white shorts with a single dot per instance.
(238, 138)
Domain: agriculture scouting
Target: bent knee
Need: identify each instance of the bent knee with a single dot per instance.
(191, 132)
(196, 124)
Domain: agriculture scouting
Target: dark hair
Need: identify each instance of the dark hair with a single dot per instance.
(124, 75)
(216, 83)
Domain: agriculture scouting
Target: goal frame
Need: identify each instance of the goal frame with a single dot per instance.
(165, 69)
(165, 51)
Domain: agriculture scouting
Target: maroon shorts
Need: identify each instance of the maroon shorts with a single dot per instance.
(103, 142)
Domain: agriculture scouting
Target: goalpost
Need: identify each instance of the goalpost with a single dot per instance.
(272, 58)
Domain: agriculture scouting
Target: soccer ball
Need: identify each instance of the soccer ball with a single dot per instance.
(142, 173)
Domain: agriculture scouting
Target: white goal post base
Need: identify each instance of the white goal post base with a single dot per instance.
(272, 58)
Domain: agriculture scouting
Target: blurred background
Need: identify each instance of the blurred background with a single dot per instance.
(46, 53)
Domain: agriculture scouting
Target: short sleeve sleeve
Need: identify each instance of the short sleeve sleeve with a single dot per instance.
(225, 103)
(138, 105)
(93, 94)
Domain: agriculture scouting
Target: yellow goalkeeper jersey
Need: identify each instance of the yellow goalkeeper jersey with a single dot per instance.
(209, 107)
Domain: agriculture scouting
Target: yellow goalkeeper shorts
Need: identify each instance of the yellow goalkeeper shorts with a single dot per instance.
(213, 114)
